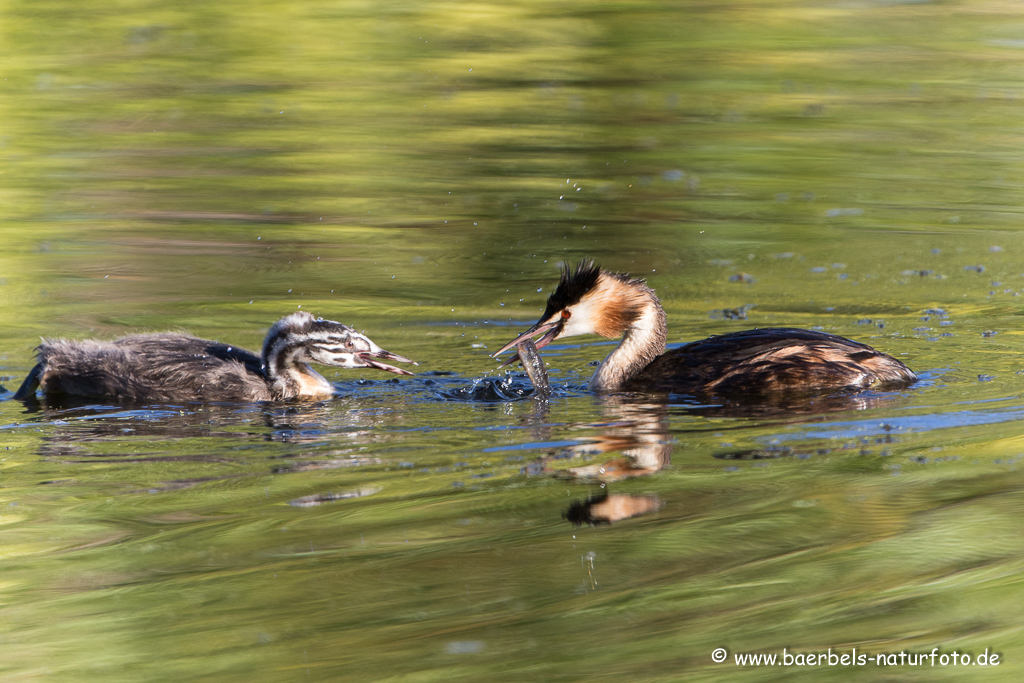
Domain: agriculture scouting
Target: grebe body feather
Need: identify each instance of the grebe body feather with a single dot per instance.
(769, 360)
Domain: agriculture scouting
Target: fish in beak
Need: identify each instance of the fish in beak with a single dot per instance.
(549, 330)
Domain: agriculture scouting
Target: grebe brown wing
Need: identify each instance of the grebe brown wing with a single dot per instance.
(152, 367)
(768, 360)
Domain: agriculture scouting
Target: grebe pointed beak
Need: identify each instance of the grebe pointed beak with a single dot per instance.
(369, 358)
(552, 330)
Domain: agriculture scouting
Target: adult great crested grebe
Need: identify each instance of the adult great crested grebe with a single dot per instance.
(151, 368)
(595, 301)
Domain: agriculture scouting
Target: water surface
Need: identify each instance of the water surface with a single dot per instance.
(420, 171)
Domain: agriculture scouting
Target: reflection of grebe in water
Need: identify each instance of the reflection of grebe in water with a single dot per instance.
(595, 301)
(175, 367)
(606, 508)
(638, 432)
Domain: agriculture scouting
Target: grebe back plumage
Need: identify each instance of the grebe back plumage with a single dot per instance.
(176, 367)
(596, 301)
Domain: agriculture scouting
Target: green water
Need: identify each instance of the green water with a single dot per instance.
(419, 170)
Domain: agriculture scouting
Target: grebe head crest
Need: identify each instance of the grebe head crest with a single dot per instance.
(588, 300)
(300, 338)
(572, 286)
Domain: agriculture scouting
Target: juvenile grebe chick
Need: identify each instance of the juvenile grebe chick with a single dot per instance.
(154, 368)
(595, 301)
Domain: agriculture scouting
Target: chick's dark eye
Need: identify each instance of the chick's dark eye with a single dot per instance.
(566, 315)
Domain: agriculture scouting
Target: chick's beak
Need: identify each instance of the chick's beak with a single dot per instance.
(550, 331)
(370, 359)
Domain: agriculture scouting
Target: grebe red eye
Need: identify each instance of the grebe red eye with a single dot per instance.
(566, 315)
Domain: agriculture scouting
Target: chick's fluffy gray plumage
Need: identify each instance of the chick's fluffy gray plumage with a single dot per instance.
(167, 367)
(152, 367)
